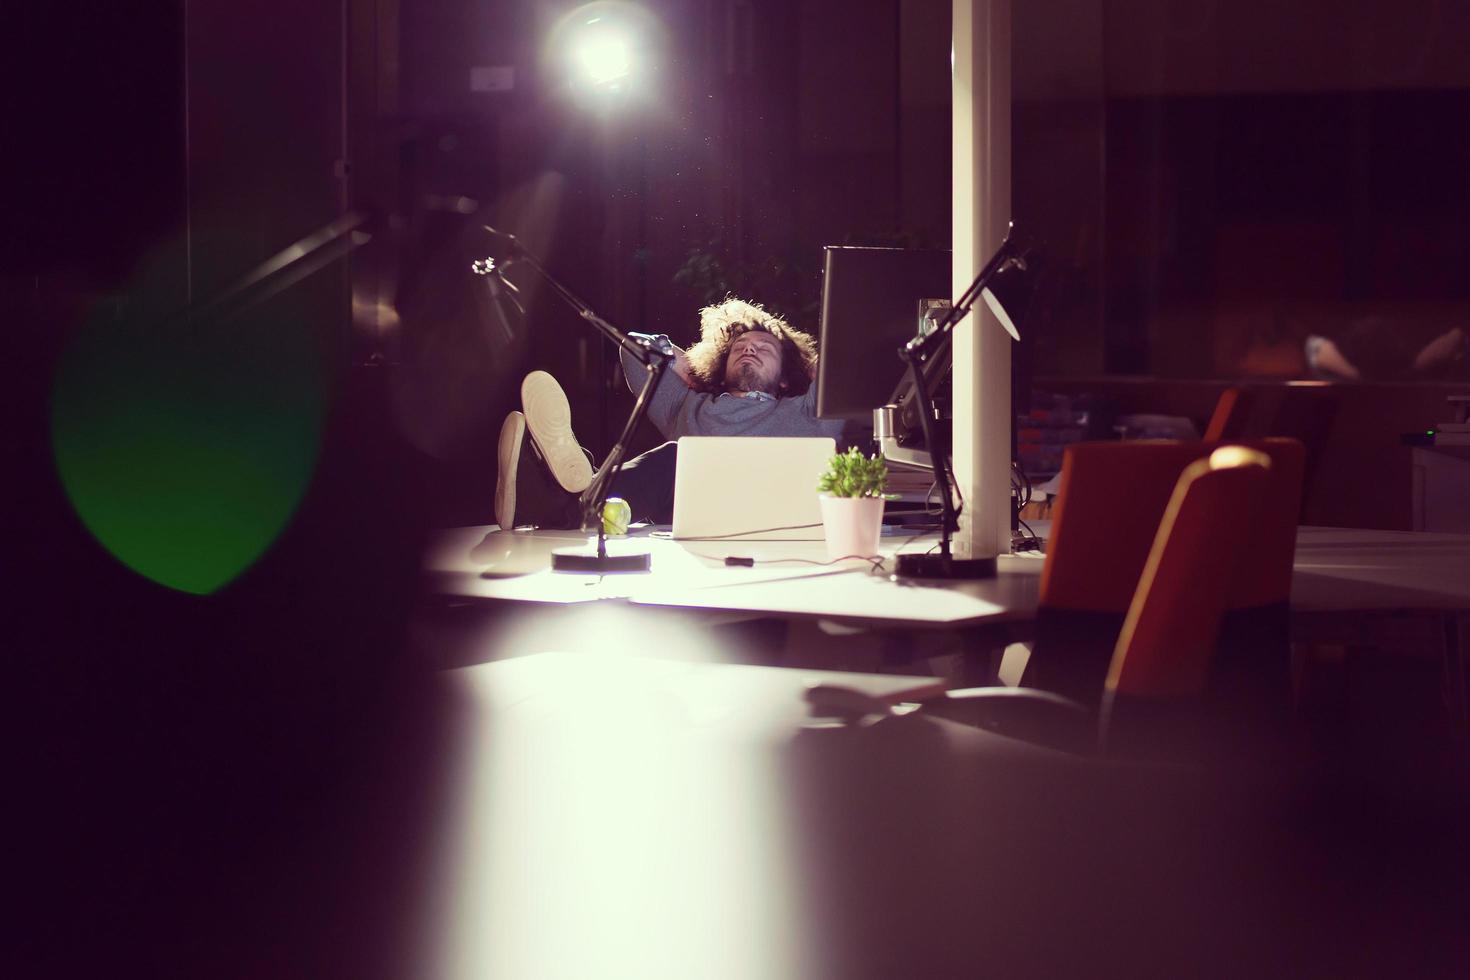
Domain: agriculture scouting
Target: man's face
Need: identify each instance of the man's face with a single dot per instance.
(754, 363)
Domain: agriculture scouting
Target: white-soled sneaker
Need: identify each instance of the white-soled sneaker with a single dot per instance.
(526, 495)
(508, 455)
(549, 417)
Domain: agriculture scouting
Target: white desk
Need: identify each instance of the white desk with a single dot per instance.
(1349, 586)
(485, 563)
(1441, 485)
(1391, 589)
(1337, 570)
(1352, 570)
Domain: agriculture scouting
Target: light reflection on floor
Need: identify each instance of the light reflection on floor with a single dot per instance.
(612, 820)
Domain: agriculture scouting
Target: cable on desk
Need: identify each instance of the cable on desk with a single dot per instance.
(733, 534)
(900, 549)
(935, 508)
(1030, 540)
(1024, 539)
(876, 561)
(1021, 483)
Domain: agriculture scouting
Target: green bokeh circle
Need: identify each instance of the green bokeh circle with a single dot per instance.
(185, 447)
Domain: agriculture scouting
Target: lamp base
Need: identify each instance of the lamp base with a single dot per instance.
(585, 560)
(940, 567)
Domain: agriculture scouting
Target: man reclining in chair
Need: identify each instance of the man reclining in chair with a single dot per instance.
(750, 374)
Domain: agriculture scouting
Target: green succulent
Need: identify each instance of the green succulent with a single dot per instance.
(851, 474)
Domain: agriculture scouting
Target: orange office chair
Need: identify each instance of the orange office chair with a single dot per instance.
(1251, 674)
(1159, 669)
(1112, 497)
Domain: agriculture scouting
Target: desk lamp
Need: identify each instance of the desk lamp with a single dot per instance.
(653, 352)
(1003, 282)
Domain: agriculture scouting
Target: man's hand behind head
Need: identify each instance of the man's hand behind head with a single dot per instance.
(681, 367)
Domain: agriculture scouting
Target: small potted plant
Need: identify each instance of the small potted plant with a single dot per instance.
(852, 494)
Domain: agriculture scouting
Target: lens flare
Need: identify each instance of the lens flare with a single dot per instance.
(607, 53)
(185, 447)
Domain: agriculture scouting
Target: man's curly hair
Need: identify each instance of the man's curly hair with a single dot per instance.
(719, 325)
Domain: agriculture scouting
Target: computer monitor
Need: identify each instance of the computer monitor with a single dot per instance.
(871, 306)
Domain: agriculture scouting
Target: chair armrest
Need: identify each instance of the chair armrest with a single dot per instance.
(1027, 713)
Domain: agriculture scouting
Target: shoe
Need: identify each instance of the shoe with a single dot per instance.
(549, 417)
(508, 455)
(525, 491)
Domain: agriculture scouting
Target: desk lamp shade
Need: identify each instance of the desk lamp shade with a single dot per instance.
(1008, 295)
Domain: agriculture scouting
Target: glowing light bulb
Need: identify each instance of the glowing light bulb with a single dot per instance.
(604, 57)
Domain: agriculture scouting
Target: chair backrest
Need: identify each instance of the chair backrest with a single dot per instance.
(1305, 411)
(1263, 575)
(1231, 411)
(1111, 500)
(1173, 620)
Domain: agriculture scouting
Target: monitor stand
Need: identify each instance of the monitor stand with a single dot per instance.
(887, 442)
(894, 453)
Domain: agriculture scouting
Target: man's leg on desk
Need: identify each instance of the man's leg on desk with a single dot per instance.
(549, 420)
(526, 492)
(543, 469)
(646, 482)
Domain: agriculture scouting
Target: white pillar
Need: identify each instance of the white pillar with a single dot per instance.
(981, 156)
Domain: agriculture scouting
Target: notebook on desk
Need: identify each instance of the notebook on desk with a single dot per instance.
(749, 488)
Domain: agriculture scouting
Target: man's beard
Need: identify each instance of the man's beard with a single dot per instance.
(748, 377)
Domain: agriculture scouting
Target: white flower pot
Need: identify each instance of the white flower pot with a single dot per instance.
(853, 525)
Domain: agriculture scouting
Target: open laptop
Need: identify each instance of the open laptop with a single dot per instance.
(749, 488)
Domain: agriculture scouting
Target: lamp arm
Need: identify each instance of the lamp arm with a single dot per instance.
(924, 344)
(916, 352)
(287, 267)
(642, 349)
(594, 498)
(654, 353)
(937, 455)
(639, 349)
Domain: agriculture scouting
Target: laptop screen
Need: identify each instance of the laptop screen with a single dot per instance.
(750, 488)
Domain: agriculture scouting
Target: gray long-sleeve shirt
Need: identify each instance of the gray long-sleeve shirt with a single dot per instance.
(678, 411)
